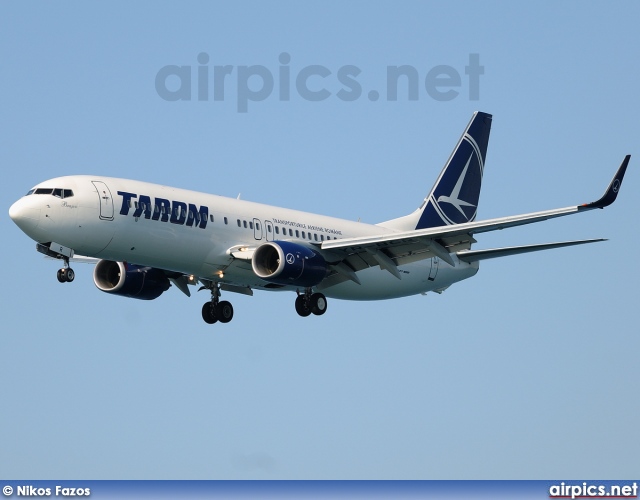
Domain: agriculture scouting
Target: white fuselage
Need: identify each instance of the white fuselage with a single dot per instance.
(195, 233)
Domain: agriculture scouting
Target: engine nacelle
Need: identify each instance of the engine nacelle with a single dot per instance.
(287, 263)
(129, 280)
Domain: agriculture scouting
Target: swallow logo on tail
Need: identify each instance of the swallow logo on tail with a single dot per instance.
(455, 195)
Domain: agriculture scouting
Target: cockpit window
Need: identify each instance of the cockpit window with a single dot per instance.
(57, 192)
(31, 191)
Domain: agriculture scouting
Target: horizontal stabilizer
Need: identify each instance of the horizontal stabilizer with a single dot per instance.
(476, 255)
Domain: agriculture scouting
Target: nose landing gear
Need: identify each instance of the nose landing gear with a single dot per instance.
(56, 251)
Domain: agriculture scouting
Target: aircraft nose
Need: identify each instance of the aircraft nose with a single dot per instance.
(25, 217)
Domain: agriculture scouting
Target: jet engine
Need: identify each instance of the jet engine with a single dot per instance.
(287, 263)
(130, 280)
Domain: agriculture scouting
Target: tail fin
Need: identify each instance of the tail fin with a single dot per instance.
(455, 195)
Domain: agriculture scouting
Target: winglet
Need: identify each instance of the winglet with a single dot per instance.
(612, 191)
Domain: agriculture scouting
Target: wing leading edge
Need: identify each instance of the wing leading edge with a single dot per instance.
(403, 247)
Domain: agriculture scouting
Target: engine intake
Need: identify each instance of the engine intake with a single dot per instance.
(288, 263)
(130, 280)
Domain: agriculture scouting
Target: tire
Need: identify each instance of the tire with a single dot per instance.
(318, 304)
(224, 311)
(71, 275)
(301, 306)
(208, 314)
(62, 278)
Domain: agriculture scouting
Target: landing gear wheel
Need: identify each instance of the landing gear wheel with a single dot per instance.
(216, 310)
(224, 311)
(208, 313)
(66, 275)
(302, 306)
(318, 303)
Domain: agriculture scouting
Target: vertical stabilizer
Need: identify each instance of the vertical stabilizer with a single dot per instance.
(455, 195)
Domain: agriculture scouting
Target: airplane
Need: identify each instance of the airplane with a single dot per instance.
(145, 237)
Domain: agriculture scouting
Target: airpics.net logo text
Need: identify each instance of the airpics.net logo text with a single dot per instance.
(206, 81)
(590, 490)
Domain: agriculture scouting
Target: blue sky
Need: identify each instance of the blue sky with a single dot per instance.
(528, 370)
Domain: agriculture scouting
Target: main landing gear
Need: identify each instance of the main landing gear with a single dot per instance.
(308, 302)
(216, 310)
(66, 274)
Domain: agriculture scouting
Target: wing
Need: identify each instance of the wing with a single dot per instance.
(350, 255)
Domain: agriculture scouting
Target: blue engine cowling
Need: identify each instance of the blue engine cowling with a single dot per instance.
(130, 280)
(287, 263)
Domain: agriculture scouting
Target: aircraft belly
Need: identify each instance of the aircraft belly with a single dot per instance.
(241, 274)
(378, 284)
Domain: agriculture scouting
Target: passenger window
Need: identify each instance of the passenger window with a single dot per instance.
(277, 230)
(226, 221)
(211, 217)
(239, 223)
(290, 232)
(244, 222)
(315, 236)
(258, 226)
(297, 234)
(250, 225)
